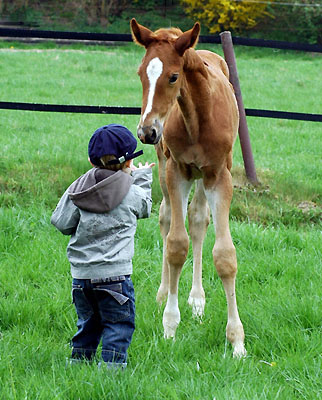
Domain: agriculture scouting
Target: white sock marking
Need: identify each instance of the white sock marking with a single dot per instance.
(153, 71)
(172, 303)
(171, 316)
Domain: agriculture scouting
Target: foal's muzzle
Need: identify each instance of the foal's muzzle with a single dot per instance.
(150, 134)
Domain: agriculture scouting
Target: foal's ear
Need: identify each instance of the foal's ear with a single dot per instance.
(140, 34)
(187, 39)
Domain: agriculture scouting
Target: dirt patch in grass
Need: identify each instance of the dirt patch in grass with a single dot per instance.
(270, 202)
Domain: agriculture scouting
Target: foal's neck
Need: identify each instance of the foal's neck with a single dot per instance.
(194, 94)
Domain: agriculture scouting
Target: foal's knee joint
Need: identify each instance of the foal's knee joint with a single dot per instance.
(226, 262)
(177, 249)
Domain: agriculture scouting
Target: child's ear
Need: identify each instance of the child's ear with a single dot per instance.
(128, 163)
(91, 162)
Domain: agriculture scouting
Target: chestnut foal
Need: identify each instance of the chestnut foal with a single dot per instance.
(190, 105)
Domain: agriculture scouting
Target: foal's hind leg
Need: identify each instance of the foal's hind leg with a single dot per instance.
(224, 255)
(198, 215)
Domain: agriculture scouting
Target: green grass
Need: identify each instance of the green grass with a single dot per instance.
(278, 244)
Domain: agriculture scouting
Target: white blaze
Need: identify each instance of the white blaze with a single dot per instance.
(153, 71)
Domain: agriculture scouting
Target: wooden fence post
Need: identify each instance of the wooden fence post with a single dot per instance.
(229, 54)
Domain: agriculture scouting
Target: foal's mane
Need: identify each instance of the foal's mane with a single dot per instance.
(167, 34)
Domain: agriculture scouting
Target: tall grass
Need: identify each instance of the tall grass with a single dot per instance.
(278, 244)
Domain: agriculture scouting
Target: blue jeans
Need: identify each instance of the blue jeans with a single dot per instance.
(105, 310)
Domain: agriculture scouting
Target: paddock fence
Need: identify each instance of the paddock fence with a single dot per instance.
(108, 38)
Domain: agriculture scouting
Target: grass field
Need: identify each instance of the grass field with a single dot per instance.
(276, 228)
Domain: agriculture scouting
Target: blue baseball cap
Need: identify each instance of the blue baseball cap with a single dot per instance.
(114, 140)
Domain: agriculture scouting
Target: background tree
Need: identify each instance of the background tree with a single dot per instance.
(298, 21)
(294, 20)
(92, 12)
(291, 20)
(221, 15)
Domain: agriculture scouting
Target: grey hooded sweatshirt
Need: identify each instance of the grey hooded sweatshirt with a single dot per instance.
(100, 211)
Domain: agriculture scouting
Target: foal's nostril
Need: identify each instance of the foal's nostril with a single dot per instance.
(150, 134)
(153, 134)
(150, 137)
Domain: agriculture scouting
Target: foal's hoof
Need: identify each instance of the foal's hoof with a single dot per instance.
(171, 320)
(239, 350)
(197, 305)
(169, 332)
(170, 328)
(235, 335)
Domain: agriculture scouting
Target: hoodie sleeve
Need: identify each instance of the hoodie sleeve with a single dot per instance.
(66, 215)
(143, 178)
(143, 181)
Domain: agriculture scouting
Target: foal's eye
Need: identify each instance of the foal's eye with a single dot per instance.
(173, 78)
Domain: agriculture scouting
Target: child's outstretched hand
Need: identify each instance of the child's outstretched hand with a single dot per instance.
(140, 166)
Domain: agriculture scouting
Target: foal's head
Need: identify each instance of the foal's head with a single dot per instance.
(161, 74)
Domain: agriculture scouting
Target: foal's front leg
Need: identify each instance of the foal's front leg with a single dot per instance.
(164, 222)
(177, 243)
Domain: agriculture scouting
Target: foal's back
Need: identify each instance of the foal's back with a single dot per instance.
(214, 62)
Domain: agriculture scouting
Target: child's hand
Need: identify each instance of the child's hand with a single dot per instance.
(147, 165)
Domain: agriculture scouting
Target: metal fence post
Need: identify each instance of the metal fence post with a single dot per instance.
(227, 45)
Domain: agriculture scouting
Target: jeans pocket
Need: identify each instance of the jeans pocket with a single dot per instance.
(83, 306)
(113, 305)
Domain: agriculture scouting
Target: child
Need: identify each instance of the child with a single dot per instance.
(100, 211)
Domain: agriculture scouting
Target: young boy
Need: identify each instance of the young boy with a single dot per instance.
(100, 211)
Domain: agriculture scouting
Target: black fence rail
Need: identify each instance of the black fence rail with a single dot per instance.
(81, 109)
(111, 37)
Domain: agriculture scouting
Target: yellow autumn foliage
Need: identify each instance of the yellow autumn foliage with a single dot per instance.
(221, 15)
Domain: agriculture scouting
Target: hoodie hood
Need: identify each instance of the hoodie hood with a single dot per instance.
(100, 190)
